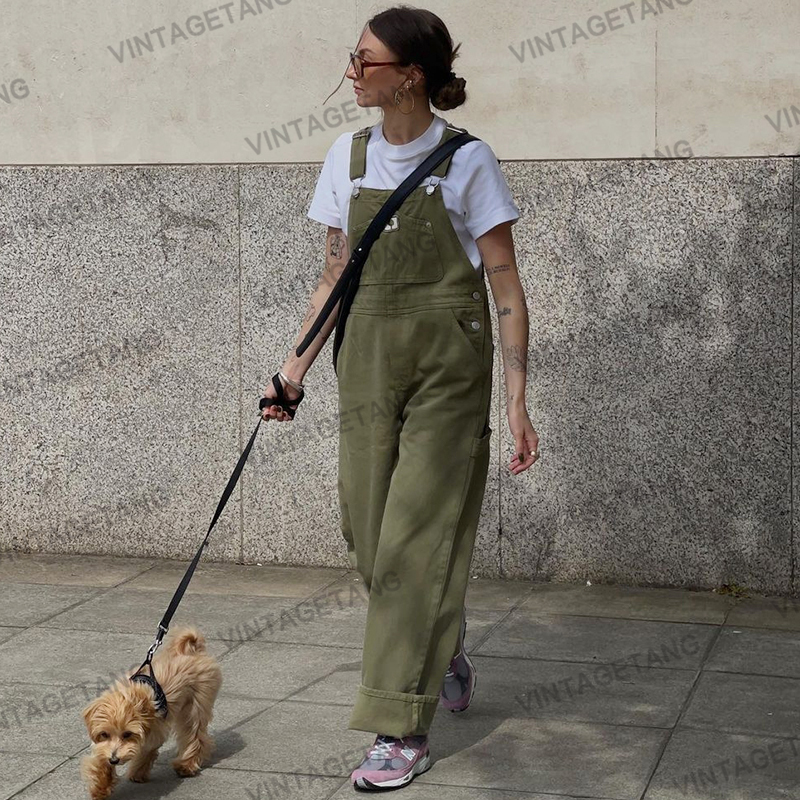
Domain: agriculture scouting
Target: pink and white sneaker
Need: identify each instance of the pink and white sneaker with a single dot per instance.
(461, 678)
(392, 762)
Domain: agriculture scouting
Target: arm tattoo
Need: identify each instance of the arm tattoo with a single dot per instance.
(498, 268)
(333, 264)
(516, 358)
(503, 311)
(309, 314)
(337, 246)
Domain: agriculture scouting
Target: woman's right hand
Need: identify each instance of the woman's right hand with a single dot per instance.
(277, 412)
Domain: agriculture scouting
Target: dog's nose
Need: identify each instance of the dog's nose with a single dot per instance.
(114, 760)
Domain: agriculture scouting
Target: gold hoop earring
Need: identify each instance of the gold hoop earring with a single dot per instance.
(397, 102)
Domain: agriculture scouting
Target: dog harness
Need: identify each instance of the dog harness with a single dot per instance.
(159, 698)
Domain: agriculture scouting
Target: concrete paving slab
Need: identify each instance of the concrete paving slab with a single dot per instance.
(231, 713)
(629, 602)
(240, 579)
(338, 689)
(708, 765)
(69, 569)
(525, 634)
(751, 704)
(20, 769)
(210, 784)
(127, 610)
(533, 689)
(547, 756)
(8, 631)
(37, 718)
(427, 791)
(275, 670)
(492, 595)
(482, 594)
(480, 625)
(68, 658)
(770, 652)
(23, 604)
(299, 737)
(333, 616)
(766, 612)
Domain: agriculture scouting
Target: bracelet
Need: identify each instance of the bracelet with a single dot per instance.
(293, 384)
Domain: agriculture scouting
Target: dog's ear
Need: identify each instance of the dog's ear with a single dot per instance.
(142, 703)
(88, 714)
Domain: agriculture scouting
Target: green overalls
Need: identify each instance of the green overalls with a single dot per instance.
(415, 379)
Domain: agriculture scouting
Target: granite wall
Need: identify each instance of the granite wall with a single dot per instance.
(145, 308)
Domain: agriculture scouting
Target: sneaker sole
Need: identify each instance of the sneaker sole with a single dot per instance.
(423, 765)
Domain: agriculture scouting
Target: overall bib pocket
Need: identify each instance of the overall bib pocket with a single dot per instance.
(407, 254)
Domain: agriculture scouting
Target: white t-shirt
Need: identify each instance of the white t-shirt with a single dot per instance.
(475, 192)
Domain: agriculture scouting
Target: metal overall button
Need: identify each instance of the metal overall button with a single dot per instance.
(476, 295)
(475, 325)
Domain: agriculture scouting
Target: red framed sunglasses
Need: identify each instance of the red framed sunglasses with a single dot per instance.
(359, 63)
(358, 67)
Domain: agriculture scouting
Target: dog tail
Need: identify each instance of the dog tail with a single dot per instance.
(186, 641)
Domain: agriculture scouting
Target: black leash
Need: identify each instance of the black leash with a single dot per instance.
(163, 626)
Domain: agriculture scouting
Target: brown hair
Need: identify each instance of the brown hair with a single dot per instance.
(418, 36)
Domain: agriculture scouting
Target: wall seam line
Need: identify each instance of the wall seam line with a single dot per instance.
(792, 553)
(240, 349)
(655, 90)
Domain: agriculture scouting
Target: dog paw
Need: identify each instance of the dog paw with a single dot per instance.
(139, 777)
(185, 770)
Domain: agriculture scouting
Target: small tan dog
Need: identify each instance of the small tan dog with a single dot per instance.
(124, 725)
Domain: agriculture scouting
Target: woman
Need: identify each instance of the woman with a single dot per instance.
(415, 378)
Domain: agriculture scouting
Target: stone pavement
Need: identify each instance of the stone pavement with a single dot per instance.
(583, 691)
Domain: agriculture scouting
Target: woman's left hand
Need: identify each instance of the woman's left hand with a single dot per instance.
(526, 440)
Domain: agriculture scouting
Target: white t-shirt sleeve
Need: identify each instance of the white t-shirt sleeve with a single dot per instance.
(487, 199)
(324, 207)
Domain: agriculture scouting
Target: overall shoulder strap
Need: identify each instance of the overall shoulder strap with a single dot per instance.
(358, 153)
(449, 132)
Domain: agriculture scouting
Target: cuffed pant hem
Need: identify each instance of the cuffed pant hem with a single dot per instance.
(393, 713)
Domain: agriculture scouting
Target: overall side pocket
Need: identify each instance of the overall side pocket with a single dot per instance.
(465, 319)
(480, 444)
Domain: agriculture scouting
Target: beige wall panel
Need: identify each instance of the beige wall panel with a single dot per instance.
(729, 77)
(621, 79)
